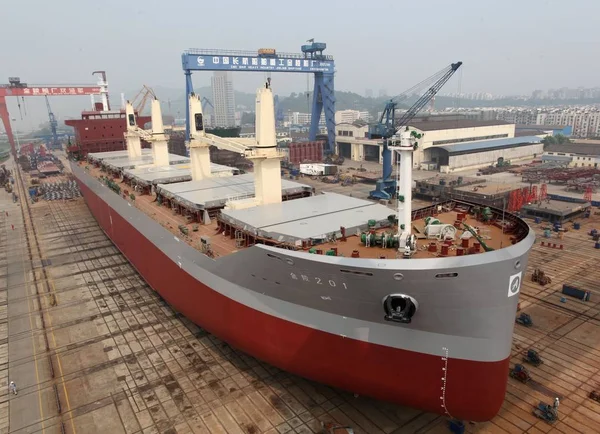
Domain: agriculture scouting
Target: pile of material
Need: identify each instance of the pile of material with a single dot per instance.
(60, 190)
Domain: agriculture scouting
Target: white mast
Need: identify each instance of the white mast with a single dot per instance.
(404, 144)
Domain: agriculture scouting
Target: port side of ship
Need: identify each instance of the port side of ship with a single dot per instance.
(328, 318)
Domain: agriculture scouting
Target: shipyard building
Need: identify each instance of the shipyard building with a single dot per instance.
(580, 153)
(447, 145)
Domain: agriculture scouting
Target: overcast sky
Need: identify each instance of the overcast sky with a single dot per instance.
(508, 47)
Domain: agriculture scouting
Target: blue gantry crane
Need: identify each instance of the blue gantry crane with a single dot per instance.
(387, 126)
(310, 61)
(54, 143)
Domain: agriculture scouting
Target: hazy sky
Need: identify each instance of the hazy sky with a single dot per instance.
(508, 47)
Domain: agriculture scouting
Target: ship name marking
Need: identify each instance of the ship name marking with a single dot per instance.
(317, 280)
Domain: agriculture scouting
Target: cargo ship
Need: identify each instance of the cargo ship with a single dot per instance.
(100, 129)
(415, 307)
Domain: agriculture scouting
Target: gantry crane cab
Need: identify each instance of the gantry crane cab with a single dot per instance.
(315, 49)
(16, 82)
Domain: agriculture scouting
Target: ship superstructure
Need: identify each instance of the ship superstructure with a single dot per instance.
(411, 306)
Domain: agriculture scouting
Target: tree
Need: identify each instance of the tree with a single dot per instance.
(559, 139)
(549, 140)
(562, 139)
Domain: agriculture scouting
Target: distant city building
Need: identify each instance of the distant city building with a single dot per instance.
(223, 99)
(382, 93)
(565, 93)
(517, 116)
(349, 116)
(298, 118)
(368, 93)
(585, 121)
(477, 96)
(581, 121)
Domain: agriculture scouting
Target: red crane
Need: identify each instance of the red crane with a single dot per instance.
(18, 89)
(588, 193)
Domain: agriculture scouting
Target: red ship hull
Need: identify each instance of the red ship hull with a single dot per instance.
(99, 131)
(353, 365)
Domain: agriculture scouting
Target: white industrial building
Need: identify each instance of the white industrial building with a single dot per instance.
(439, 148)
(578, 154)
(473, 155)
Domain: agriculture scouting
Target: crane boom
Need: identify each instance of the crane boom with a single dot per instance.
(54, 144)
(388, 127)
(426, 97)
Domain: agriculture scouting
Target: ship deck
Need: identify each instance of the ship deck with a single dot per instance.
(223, 242)
(93, 349)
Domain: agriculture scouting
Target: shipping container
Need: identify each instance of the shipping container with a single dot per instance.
(318, 169)
(266, 52)
(576, 292)
(306, 152)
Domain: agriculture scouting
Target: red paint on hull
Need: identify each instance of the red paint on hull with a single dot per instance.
(474, 390)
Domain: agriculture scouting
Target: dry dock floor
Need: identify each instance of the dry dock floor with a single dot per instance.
(94, 350)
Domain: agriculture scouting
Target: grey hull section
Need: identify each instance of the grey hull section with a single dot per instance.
(470, 314)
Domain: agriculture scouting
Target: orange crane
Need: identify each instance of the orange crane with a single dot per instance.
(143, 95)
(18, 89)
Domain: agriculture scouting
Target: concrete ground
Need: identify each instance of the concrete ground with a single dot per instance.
(93, 349)
(21, 346)
(362, 189)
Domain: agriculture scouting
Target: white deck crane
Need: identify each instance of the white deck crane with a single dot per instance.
(157, 136)
(262, 150)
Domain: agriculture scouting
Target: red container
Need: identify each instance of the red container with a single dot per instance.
(306, 152)
(432, 247)
(465, 242)
(477, 247)
(444, 250)
(460, 251)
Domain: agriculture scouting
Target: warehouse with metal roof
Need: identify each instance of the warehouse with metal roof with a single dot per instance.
(471, 155)
(436, 130)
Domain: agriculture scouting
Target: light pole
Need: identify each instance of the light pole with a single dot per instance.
(17, 137)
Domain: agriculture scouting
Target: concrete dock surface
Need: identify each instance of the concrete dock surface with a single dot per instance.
(93, 349)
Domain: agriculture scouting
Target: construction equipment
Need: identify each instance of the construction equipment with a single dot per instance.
(388, 126)
(546, 412)
(334, 428)
(140, 100)
(525, 320)
(206, 102)
(540, 277)
(532, 357)
(502, 162)
(483, 214)
(456, 426)
(519, 372)
(311, 60)
(477, 237)
(18, 89)
(54, 143)
(595, 395)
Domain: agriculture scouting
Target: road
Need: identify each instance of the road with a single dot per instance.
(21, 344)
